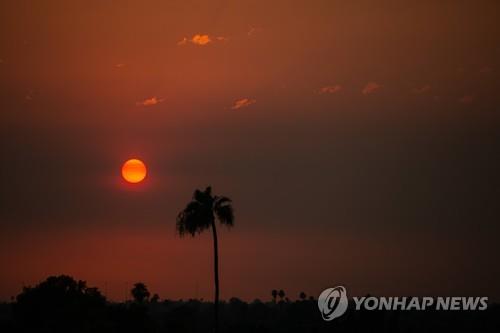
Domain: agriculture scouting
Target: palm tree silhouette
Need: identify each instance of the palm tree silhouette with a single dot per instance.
(200, 214)
(281, 294)
(140, 292)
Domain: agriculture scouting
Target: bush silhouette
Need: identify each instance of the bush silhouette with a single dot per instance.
(59, 304)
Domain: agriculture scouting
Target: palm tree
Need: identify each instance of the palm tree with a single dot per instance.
(140, 292)
(281, 294)
(200, 214)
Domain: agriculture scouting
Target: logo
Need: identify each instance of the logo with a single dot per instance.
(332, 302)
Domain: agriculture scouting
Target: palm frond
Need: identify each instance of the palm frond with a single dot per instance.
(193, 219)
(220, 201)
(224, 211)
(204, 197)
(198, 196)
(199, 214)
(208, 191)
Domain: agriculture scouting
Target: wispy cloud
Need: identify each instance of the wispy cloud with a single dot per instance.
(183, 41)
(150, 101)
(252, 31)
(466, 99)
(243, 102)
(421, 90)
(370, 88)
(330, 89)
(201, 40)
(29, 95)
(120, 65)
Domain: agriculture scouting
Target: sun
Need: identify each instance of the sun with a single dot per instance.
(134, 171)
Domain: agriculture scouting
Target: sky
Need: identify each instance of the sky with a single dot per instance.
(358, 140)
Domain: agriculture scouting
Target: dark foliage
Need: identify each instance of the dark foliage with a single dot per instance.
(201, 212)
(61, 304)
(140, 292)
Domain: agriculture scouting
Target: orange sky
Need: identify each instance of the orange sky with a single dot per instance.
(253, 262)
(358, 141)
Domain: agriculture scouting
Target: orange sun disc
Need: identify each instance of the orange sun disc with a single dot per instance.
(134, 171)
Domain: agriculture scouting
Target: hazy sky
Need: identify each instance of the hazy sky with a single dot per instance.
(359, 141)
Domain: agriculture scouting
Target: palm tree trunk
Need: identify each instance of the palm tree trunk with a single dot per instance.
(216, 279)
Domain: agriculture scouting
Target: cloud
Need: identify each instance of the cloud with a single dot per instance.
(371, 87)
(120, 65)
(241, 103)
(183, 41)
(466, 99)
(421, 90)
(330, 89)
(150, 101)
(252, 31)
(201, 40)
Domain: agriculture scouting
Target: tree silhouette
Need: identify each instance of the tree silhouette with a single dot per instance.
(61, 304)
(155, 299)
(274, 293)
(281, 294)
(140, 292)
(200, 214)
(57, 304)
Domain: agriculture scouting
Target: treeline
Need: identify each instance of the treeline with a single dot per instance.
(63, 304)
